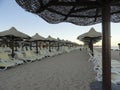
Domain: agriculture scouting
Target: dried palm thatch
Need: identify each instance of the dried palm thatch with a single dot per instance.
(90, 38)
(80, 12)
(91, 34)
(13, 32)
(37, 38)
(13, 35)
(51, 41)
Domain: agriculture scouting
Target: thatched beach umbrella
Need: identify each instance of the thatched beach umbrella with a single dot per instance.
(67, 42)
(90, 38)
(61, 42)
(12, 34)
(81, 12)
(58, 43)
(50, 40)
(37, 38)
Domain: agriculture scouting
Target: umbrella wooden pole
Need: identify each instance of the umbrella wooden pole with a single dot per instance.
(40, 44)
(30, 45)
(58, 46)
(15, 45)
(37, 47)
(49, 46)
(119, 47)
(12, 46)
(106, 45)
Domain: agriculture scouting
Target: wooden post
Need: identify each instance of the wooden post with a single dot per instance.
(30, 45)
(12, 47)
(119, 47)
(49, 46)
(37, 47)
(58, 46)
(106, 45)
(40, 45)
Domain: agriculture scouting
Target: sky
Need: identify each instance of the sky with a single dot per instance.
(12, 15)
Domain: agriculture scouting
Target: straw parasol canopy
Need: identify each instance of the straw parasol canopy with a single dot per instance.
(81, 12)
(90, 37)
(13, 35)
(37, 38)
(13, 32)
(90, 34)
(51, 40)
(58, 43)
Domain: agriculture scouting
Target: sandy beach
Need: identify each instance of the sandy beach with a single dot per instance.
(69, 71)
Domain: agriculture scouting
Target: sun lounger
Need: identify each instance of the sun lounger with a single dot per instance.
(26, 57)
(99, 75)
(30, 57)
(91, 57)
(38, 56)
(20, 56)
(4, 56)
(43, 52)
(115, 70)
(115, 63)
(115, 78)
(5, 64)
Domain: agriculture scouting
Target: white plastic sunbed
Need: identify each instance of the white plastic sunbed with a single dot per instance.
(38, 56)
(26, 58)
(4, 56)
(115, 68)
(115, 78)
(29, 56)
(5, 64)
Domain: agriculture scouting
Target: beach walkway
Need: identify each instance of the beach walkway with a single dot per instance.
(69, 71)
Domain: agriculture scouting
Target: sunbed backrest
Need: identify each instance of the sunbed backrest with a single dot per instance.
(4, 56)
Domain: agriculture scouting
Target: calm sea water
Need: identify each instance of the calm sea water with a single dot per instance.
(112, 47)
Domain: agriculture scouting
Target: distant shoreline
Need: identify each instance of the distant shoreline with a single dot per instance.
(114, 52)
(112, 47)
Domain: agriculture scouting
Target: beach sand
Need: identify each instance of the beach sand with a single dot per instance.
(69, 71)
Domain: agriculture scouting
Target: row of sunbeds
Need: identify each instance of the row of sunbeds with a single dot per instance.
(97, 62)
(25, 56)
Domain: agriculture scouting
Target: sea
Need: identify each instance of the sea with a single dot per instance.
(112, 47)
(115, 47)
